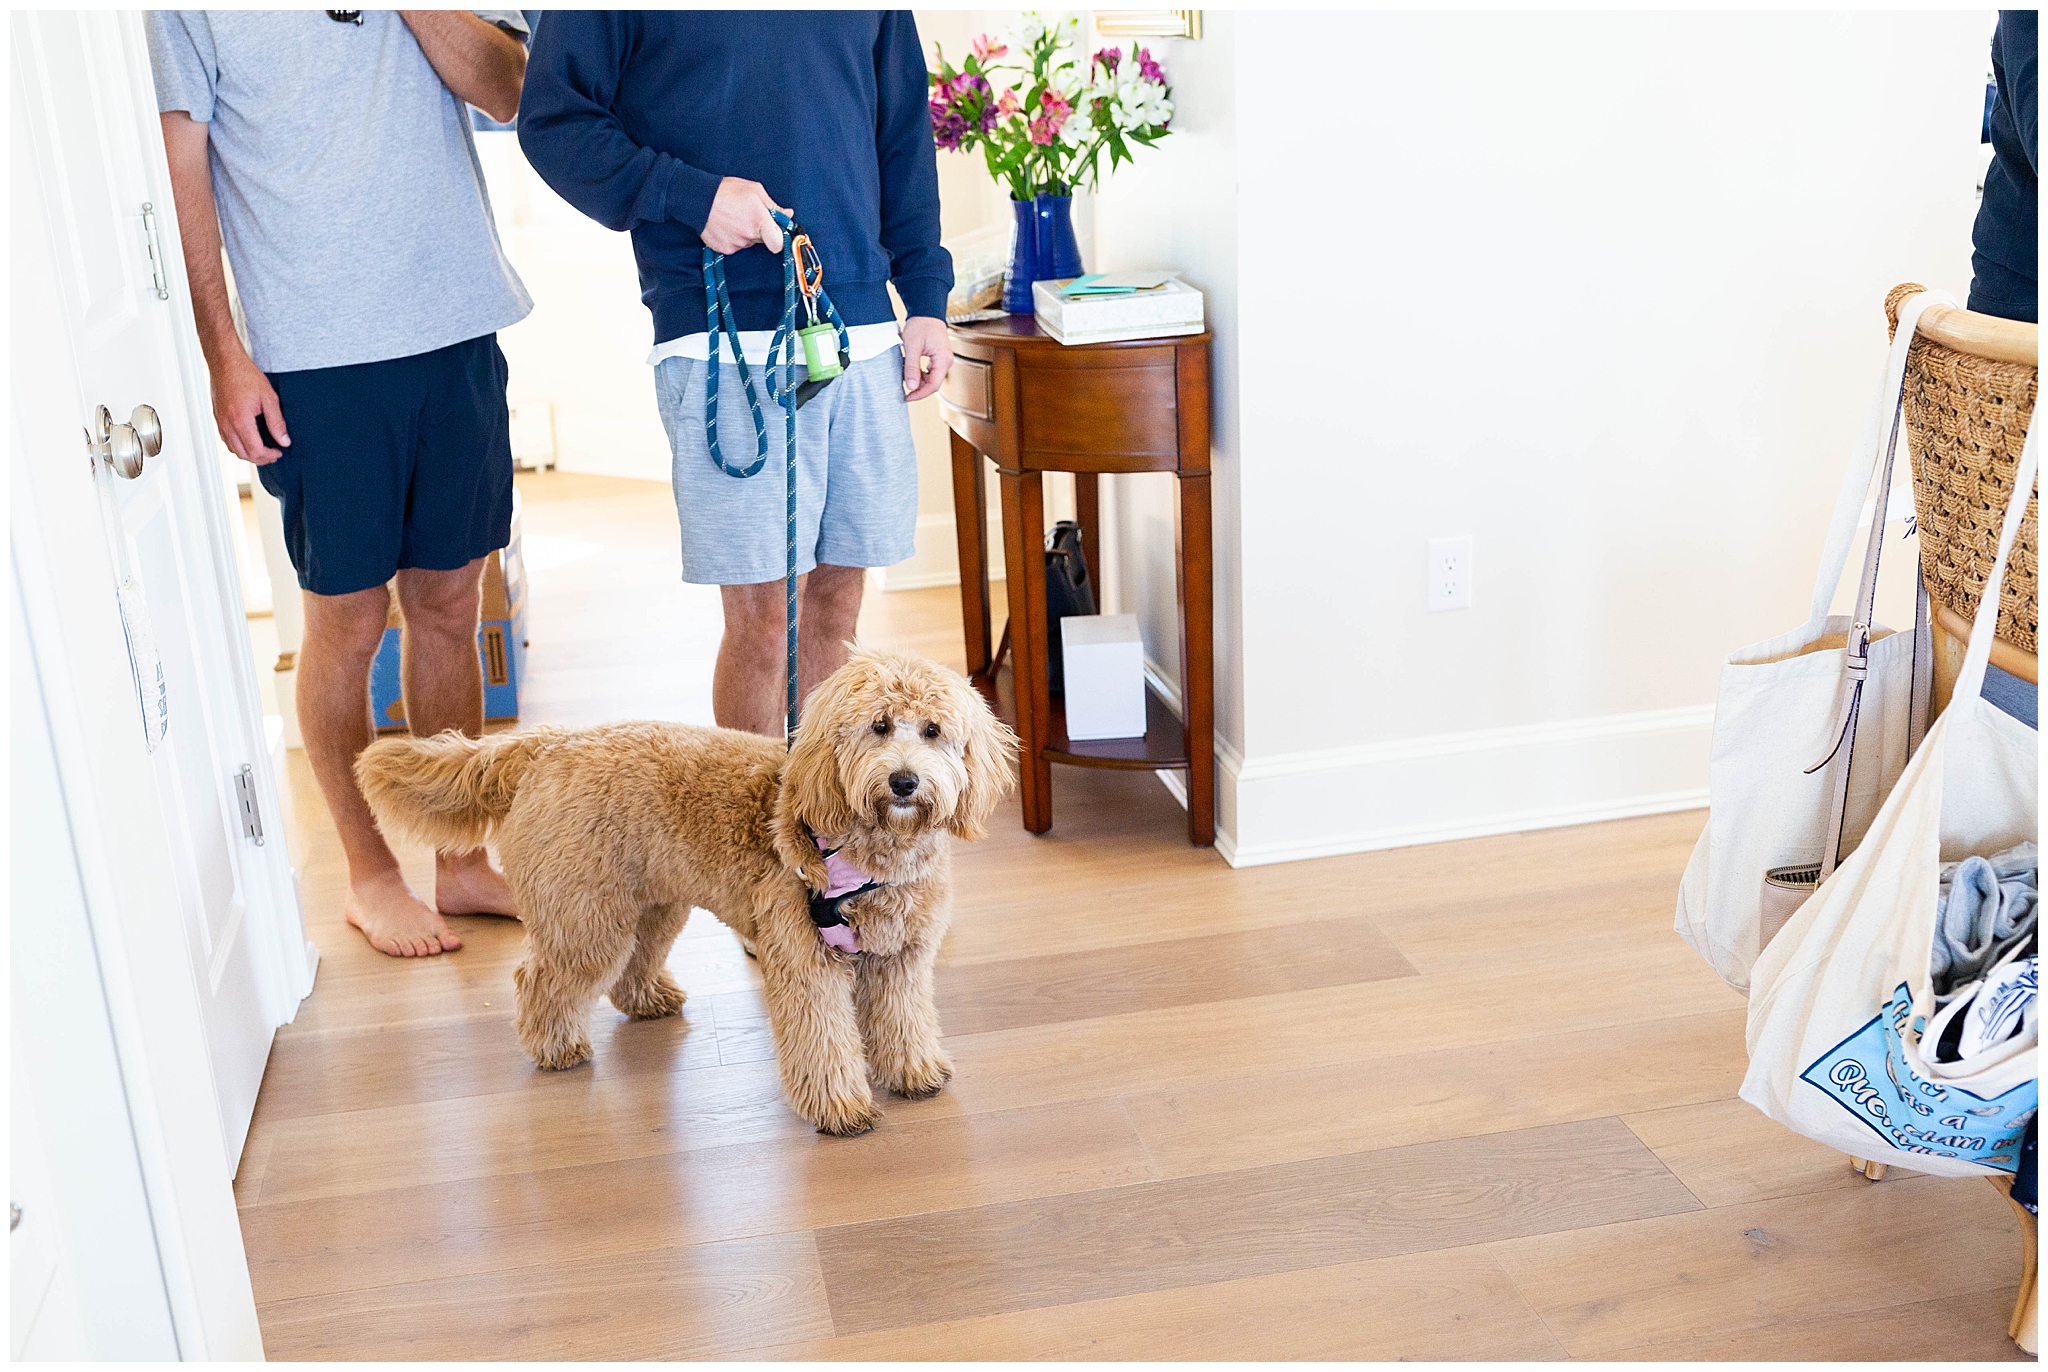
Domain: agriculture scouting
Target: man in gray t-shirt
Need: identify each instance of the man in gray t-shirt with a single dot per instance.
(330, 152)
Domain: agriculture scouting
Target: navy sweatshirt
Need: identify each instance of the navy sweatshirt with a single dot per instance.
(2005, 261)
(634, 116)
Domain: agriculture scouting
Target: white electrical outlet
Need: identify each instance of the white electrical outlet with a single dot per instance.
(1448, 579)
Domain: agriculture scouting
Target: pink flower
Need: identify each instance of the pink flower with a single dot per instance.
(986, 47)
(1149, 69)
(1047, 126)
(1007, 105)
(1107, 59)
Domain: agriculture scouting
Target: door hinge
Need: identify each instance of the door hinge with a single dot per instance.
(245, 793)
(153, 242)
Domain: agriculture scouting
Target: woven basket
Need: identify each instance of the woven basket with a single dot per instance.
(1966, 418)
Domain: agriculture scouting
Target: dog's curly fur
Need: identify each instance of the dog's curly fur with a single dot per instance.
(610, 835)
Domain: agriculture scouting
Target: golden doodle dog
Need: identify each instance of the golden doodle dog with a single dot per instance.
(833, 860)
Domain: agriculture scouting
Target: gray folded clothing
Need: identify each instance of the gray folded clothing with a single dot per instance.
(1985, 909)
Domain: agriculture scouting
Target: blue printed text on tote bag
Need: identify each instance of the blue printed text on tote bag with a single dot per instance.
(1867, 1075)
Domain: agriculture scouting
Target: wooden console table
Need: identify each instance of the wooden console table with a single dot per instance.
(1035, 405)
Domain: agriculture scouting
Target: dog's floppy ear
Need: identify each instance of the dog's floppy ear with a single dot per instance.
(811, 794)
(991, 760)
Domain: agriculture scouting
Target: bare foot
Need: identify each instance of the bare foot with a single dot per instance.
(395, 921)
(467, 884)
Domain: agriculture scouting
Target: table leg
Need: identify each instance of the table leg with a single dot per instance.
(1088, 513)
(1023, 570)
(970, 521)
(1193, 569)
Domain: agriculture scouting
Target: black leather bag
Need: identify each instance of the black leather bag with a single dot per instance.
(1068, 591)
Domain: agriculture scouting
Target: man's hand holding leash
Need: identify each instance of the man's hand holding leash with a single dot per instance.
(742, 215)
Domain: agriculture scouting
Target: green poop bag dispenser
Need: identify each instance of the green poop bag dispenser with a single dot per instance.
(821, 351)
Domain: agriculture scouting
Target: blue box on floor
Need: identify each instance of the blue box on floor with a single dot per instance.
(500, 643)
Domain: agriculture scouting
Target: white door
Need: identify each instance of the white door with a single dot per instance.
(109, 292)
(87, 1279)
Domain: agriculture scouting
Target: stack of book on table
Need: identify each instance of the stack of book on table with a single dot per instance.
(1113, 306)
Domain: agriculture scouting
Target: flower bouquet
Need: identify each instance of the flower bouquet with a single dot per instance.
(1044, 121)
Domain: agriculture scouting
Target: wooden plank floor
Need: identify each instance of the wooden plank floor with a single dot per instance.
(1460, 1102)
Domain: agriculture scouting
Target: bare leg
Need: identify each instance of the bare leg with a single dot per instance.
(444, 689)
(341, 638)
(746, 684)
(747, 687)
(830, 603)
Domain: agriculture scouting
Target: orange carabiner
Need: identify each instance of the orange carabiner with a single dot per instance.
(810, 272)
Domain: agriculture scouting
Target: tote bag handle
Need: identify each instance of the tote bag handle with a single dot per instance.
(1870, 446)
(1885, 420)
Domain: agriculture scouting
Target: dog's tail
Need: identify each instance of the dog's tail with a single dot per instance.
(447, 792)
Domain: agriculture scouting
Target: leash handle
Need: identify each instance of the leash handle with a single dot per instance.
(720, 323)
(802, 273)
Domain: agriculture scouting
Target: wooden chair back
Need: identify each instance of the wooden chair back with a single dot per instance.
(1971, 380)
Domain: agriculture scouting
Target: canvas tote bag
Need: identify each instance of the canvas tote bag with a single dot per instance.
(1843, 995)
(1784, 705)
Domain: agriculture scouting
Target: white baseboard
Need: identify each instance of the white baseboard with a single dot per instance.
(1176, 782)
(1451, 786)
(1361, 798)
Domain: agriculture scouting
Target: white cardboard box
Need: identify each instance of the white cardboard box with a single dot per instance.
(1105, 670)
(1174, 308)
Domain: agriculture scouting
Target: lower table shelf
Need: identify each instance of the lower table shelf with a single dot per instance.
(1163, 746)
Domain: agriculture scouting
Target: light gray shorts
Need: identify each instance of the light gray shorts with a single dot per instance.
(856, 487)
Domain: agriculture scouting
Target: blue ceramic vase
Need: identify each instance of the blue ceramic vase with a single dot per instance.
(1059, 254)
(1023, 258)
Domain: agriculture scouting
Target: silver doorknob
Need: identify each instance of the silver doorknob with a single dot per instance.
(125, 452)
(119, 445)
(147, 429)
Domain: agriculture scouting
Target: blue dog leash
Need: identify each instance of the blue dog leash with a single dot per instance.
(803, 274)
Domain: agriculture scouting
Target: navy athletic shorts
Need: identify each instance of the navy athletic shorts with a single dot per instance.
(400, 463)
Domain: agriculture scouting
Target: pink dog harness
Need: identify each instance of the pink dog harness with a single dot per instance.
(843, 881)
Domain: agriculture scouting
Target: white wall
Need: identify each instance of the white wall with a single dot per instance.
(1613, 309)
(1611, 306)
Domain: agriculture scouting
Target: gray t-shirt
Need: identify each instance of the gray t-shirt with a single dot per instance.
(351, 200)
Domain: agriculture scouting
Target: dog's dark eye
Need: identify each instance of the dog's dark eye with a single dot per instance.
(931, 731)
(881, 726)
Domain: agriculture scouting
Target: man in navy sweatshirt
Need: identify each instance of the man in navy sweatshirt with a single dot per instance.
(687, 127)
(2008, 221)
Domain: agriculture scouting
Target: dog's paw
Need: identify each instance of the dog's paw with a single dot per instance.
(557, 1057)
(924, 1079)
(657, 999)
(847, 1117)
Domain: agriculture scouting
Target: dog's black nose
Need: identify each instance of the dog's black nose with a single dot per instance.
(903, 783)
